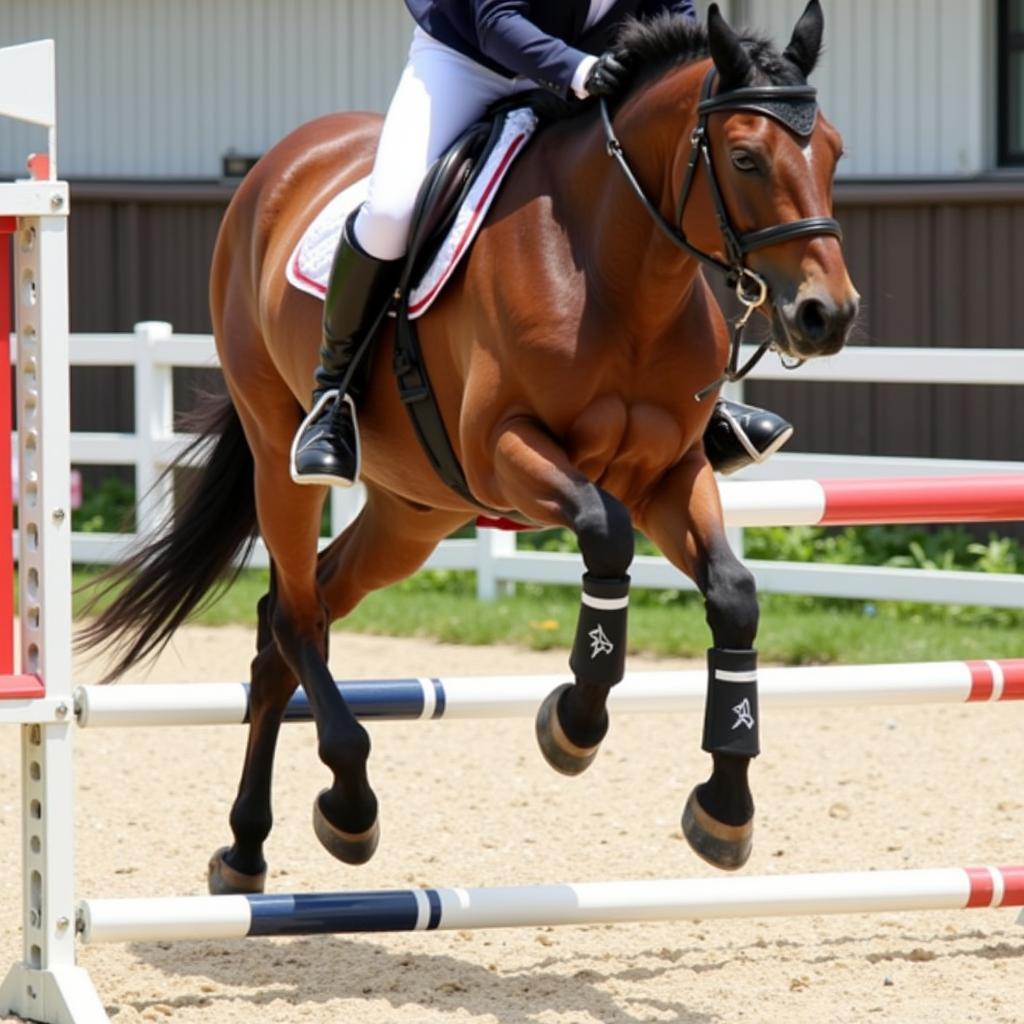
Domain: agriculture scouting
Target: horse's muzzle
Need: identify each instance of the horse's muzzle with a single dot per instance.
(813, 325)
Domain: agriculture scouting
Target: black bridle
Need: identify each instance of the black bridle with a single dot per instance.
(795, 107)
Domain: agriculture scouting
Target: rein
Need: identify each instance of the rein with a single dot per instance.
(795, 107)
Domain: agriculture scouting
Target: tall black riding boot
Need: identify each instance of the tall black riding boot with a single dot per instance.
(326, 446)
(738, 435)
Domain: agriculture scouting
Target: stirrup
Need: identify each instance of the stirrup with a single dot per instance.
(757, 456)
(326, 479)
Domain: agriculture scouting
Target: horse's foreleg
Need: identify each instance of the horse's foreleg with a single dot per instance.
(539, 478)
(684, 518)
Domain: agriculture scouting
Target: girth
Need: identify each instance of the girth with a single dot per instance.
(437, 204)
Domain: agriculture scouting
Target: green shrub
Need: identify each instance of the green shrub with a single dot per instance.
(899, 546)
(109, 508)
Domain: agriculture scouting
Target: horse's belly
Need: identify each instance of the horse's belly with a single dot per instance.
(625, 446)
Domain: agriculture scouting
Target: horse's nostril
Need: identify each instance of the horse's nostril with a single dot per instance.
(813, 320)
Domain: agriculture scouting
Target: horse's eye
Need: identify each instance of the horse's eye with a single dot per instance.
(743, 161)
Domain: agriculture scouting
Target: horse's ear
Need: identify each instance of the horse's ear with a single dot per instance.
(731, 60)
(805, 46)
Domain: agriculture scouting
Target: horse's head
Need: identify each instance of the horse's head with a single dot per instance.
(772, 158)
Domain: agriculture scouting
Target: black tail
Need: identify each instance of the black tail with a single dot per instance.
(165, 581)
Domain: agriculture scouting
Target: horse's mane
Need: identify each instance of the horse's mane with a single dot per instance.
(652, 47)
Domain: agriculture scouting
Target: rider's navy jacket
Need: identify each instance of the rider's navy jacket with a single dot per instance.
(543, 39)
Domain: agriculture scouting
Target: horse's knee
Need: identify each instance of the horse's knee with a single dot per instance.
(605, 534)
(731, 606)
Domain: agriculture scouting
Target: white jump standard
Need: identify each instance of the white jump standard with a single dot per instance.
(46, 985)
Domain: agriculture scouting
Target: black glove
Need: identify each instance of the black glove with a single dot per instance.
(606, 77)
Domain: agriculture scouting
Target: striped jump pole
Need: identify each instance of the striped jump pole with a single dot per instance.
(982, 498)
(526, 906)
(949, 682)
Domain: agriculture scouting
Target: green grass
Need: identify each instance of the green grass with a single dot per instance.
(794, 630)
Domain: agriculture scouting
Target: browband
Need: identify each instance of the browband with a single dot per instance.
(794, 106)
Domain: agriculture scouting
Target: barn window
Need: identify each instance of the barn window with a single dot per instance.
(1011, 82)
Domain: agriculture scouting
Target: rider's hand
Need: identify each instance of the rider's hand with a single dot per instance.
(606, 77)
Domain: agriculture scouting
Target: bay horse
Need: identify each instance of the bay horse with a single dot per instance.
(565, 356)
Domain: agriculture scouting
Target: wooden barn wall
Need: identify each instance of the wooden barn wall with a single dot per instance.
(938, 265)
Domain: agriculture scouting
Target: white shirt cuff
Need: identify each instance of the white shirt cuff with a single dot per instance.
(580, 76)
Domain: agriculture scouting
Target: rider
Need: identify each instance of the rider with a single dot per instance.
(465, 55)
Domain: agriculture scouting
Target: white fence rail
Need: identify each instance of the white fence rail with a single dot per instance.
(154, 351)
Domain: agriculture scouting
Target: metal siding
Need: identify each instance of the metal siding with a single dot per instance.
(904, 82)
(162, 88)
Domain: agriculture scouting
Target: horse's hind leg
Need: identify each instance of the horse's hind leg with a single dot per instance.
(388, 541)
(684, 518)
(538, 476)
(241, 867)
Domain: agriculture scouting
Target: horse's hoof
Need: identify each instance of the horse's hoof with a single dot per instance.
(723, 846)
(224, 880)
(559, 751)
(350, 847)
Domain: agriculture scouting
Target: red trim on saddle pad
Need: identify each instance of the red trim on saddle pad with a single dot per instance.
(21, 687)
(415, 308)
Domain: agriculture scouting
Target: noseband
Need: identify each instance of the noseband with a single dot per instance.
(793, 106)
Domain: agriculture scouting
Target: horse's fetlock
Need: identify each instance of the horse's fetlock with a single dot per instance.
(344, 751)
(250, 821)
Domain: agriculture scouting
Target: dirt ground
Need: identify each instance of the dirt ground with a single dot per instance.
(472, 803)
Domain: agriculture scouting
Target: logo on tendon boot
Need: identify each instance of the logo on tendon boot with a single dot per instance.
(743, 715)
(600, 641)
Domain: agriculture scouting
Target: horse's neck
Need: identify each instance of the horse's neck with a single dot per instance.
(630, 266)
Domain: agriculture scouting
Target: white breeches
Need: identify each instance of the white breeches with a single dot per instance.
(440, 94)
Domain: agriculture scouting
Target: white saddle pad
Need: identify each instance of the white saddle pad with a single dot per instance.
(310, 264)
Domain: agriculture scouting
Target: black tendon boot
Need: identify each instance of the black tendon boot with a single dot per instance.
(326, 446)
(738, 435)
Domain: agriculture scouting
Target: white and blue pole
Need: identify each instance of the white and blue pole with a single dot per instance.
(658, 692)
(519, 906)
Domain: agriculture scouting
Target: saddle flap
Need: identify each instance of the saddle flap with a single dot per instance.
(443, 191)
(451, 207)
